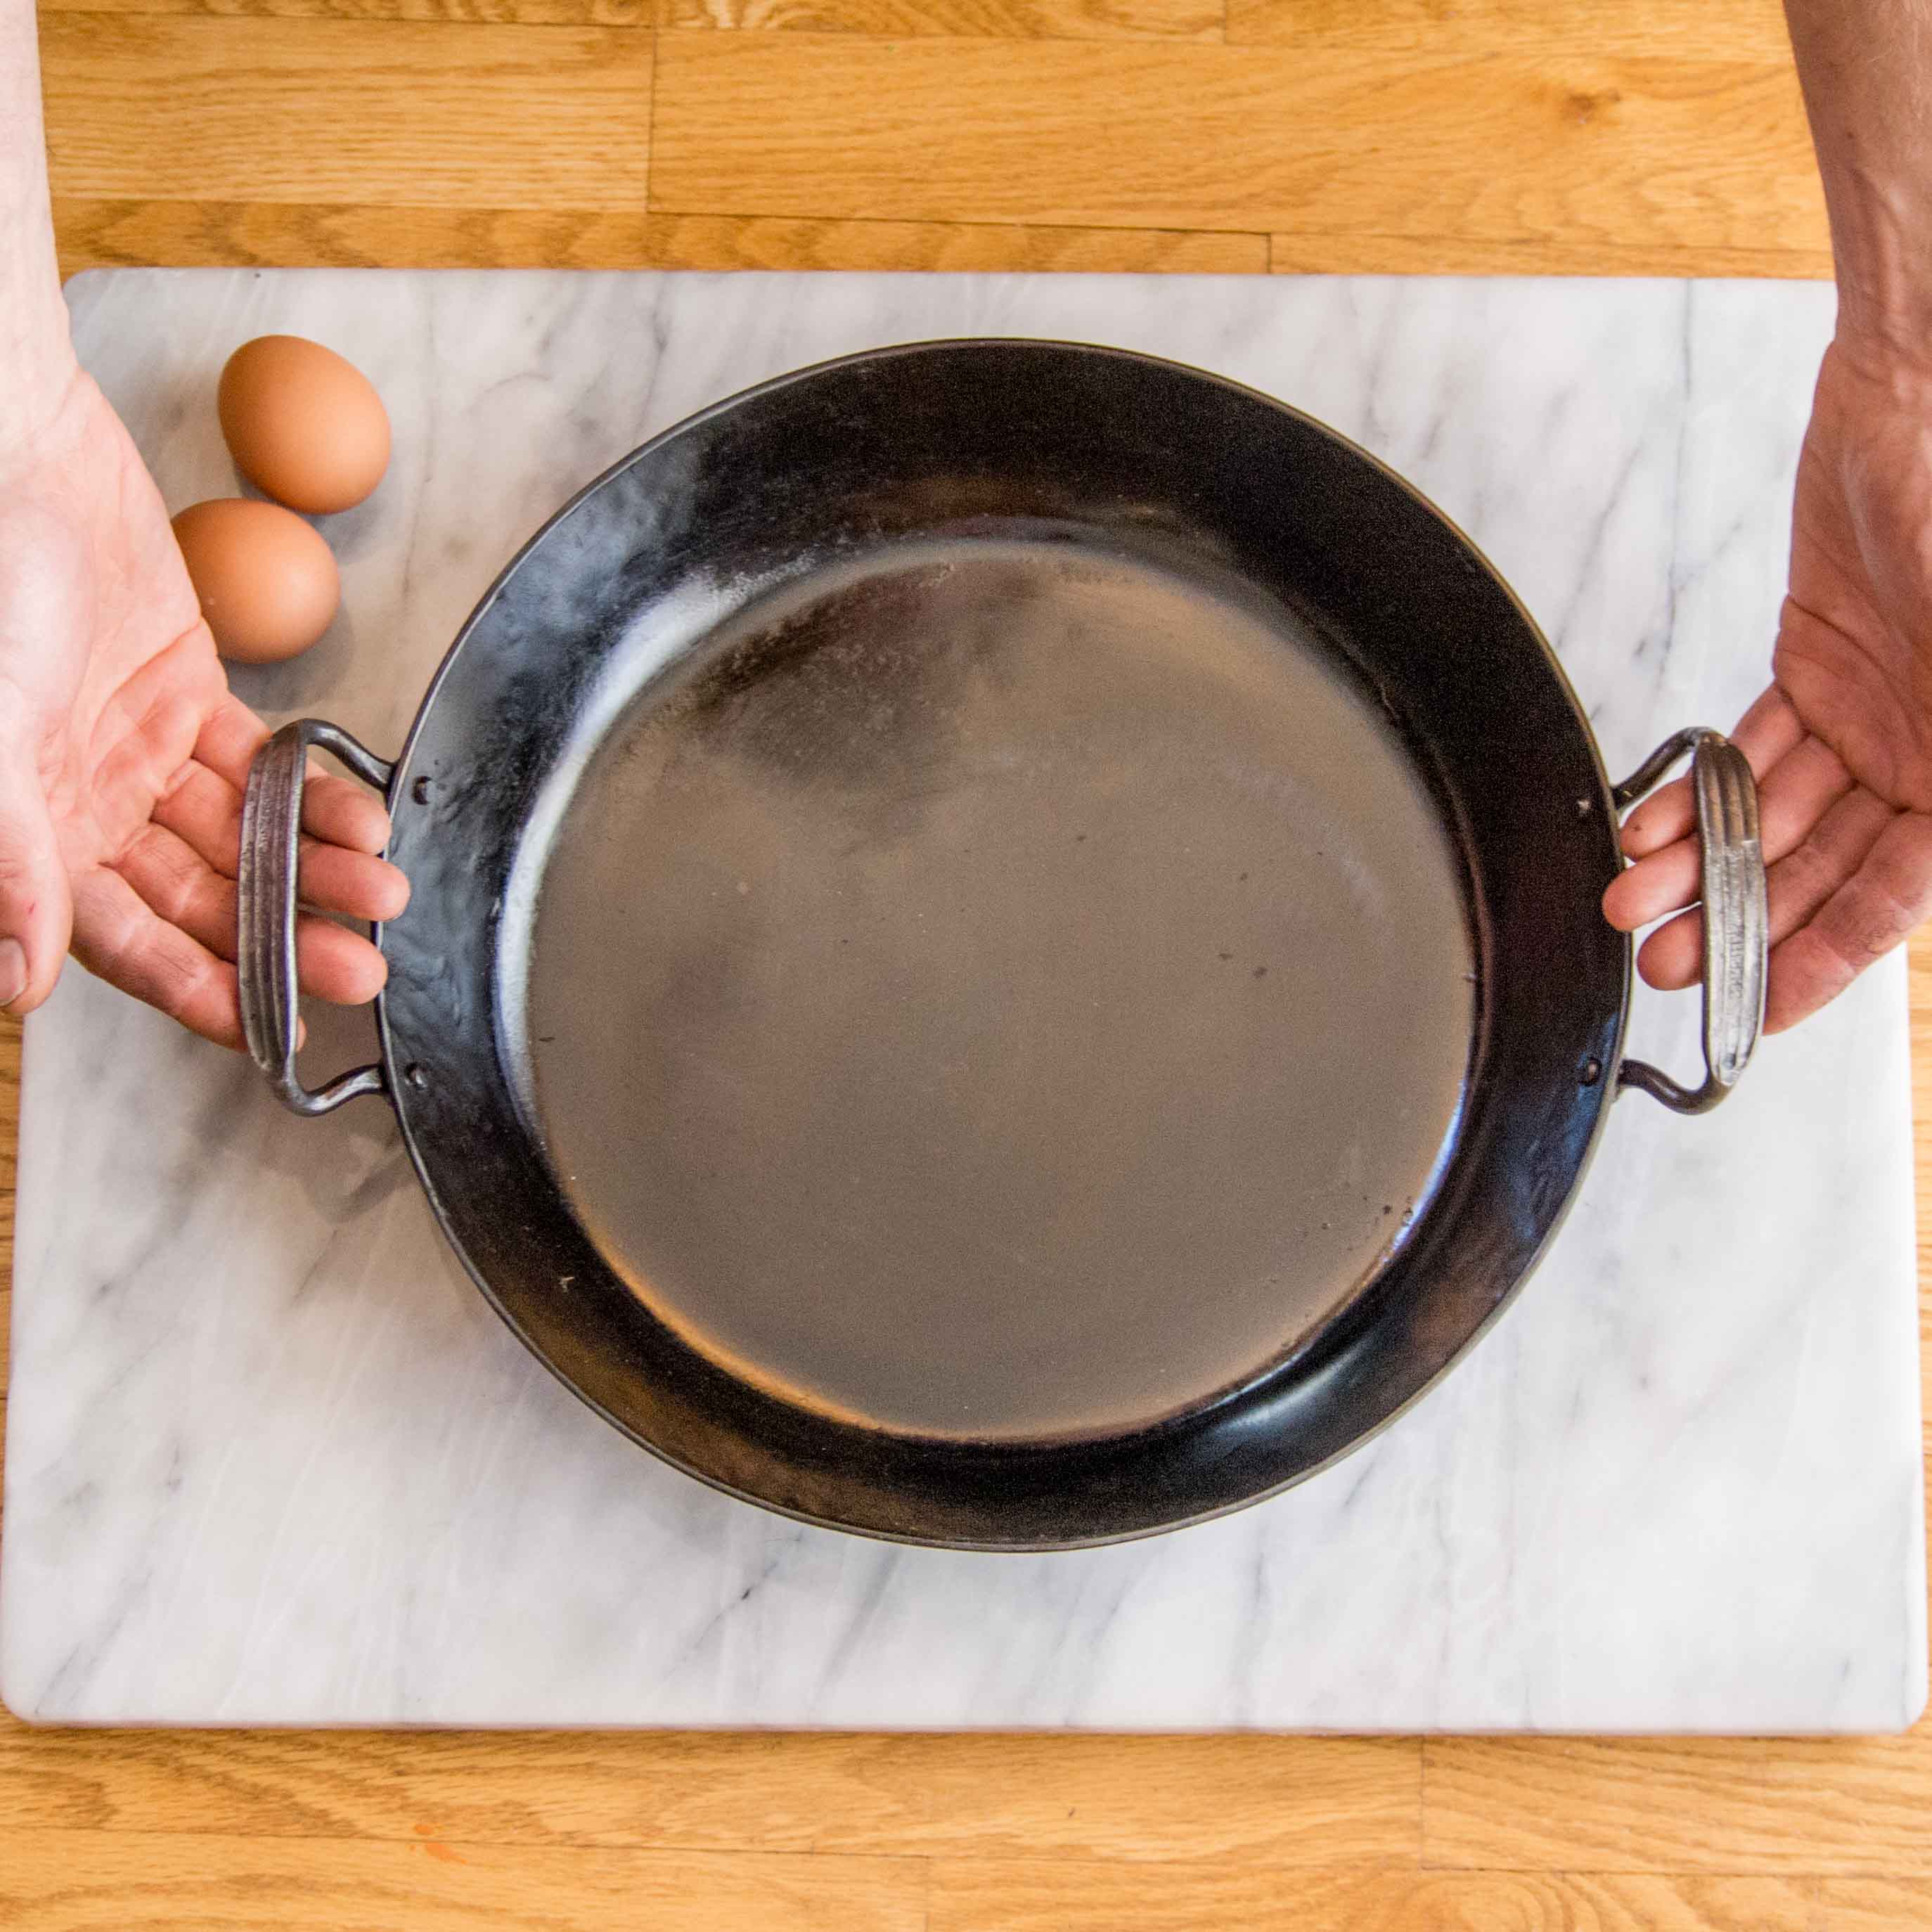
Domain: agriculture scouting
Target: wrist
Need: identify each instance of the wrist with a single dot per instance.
(1886, 349)
(1884, 309)
(1861, 68)
(37, 363)
(41, 378)
(1879, 231)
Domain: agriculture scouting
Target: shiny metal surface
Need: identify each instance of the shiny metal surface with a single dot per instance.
(265, 880)
(1737, 922)
(999, 988)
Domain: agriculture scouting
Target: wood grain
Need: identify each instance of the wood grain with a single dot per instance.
(527, 12)
(116, 1882)
(1008, 19)
(999, 20)
(1357, 254)
(1691, 153)
(385, 113)
(1265, 1803)
(1680, 1805)
(1746, 30)
(1040, 1897)
(98, 234)
(1751, 30)
(1876, 1905)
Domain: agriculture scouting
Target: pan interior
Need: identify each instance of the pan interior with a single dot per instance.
(997, 987)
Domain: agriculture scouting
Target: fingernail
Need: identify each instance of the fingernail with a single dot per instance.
(12, 970)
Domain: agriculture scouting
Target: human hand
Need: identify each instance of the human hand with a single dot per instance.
(1841, 744)
(123, 754)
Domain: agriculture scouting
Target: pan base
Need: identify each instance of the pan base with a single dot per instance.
(1001, 989)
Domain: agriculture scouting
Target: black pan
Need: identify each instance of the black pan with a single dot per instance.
(1005, 947)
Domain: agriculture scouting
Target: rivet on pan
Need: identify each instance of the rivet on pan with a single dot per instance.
(414, 1074)
(1593, 1071)
(1585, 807)
(419, 791)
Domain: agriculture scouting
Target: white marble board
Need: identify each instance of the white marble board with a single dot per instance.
(271, 1458)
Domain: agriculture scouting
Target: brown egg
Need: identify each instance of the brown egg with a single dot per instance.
(303, 426)
(267, 581)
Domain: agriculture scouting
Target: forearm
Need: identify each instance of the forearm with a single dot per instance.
(1866, 66)
(35, 357)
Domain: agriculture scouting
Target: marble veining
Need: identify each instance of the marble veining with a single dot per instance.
(271, 1458)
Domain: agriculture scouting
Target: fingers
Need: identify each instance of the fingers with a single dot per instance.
(345, 823)
(1770, 727)
(161, 925)
(1801, 883)
(343, 812)
(1796, 886)
(118, 936)
(333, 880)
(230, 739)
(1765, 733)
(1843, 898)
(1664, 882)
(175, 882)
(1801, 788)
(1661, 820)
(335, 809)
(35, 907)
(205, 812)
(1864, 919)
(1672, 957)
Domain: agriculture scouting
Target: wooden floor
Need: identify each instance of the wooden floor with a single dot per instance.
(1594, 137)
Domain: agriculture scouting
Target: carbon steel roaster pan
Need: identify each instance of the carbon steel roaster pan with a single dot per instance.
(1005, 947)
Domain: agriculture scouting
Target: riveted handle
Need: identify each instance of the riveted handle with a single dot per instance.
(266, 892)
(1737, 924)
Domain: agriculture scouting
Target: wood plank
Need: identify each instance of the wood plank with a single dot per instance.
(67, 1881)
(528, 13)
(1876, 1905)
(1012, 19)
(1266, 1803)
(96, 234)
(1008, 19)
(385, 113)
(1693, 154)
(1750, 30)
(1728, 29)
(1363, 254)
(1824, 1805)
(1038, 1896)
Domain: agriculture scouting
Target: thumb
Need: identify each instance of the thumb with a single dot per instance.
(36, 902)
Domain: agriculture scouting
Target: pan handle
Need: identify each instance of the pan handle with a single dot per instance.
(1737, 925)
(265, 890)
